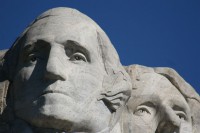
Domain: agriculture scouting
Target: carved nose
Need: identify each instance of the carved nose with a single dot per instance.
(55, 66)
(171, 116)
(170, 122)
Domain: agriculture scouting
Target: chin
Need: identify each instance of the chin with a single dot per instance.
(64, 113)
(61, 119)
(49, 112)
(44, 117)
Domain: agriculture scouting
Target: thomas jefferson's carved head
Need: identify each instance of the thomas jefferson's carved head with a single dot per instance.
(161, 102)
(66, 74)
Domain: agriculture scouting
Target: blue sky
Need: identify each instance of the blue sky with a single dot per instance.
(147, 32)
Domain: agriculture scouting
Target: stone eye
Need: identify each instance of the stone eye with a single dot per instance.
(142, 110)
(33, 59)
(78, 57)
(181, 116)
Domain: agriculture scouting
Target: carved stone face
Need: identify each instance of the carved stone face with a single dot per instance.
(59, 77)
(157, 106)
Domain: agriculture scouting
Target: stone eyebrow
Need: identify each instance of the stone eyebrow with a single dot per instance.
(27, 49)
(35, 45)
(77, 47)
(150, 104)
(180, 106)
(147, 99)
(71, 45)
(151, 97)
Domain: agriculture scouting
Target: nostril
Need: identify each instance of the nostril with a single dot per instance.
(167, 127)
(60, 78)
(160, 127)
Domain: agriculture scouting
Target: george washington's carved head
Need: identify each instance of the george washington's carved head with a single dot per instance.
(65, 74)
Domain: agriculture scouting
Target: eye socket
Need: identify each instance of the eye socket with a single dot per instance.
(181, 115)
(32, 58)
(142, 110)
(78, 57)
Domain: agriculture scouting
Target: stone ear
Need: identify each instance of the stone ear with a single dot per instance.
(117, 91)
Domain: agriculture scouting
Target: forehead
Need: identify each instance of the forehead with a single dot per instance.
(60, 29)
(155, 84)
(157, 89)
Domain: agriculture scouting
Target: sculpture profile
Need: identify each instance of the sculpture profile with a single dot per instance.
(63, 74)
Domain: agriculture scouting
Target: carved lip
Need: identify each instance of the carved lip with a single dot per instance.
(54, 91)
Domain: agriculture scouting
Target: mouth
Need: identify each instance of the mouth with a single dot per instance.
(53, 91)
(57, 88)
(52, 97)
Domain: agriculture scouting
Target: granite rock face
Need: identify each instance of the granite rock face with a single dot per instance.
(162, 101)
(3, 83)
(63, 74)
(2, 52)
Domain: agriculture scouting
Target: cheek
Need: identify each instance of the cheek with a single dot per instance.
(22, 76)
(30, 73)
(143, 124)
(24, 84)
(87, 82)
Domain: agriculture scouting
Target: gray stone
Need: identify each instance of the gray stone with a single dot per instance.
(162, 102)
(2, 52)
(64, 75)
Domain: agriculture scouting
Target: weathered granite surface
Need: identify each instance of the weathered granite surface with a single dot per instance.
(161, 102)
(2, 52)
(63, 74)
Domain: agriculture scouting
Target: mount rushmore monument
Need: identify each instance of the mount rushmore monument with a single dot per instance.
(63, 75)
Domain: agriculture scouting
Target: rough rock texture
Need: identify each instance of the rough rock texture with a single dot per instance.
(62, 74)
(3, 83)
(2, 52)
(161, 101)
